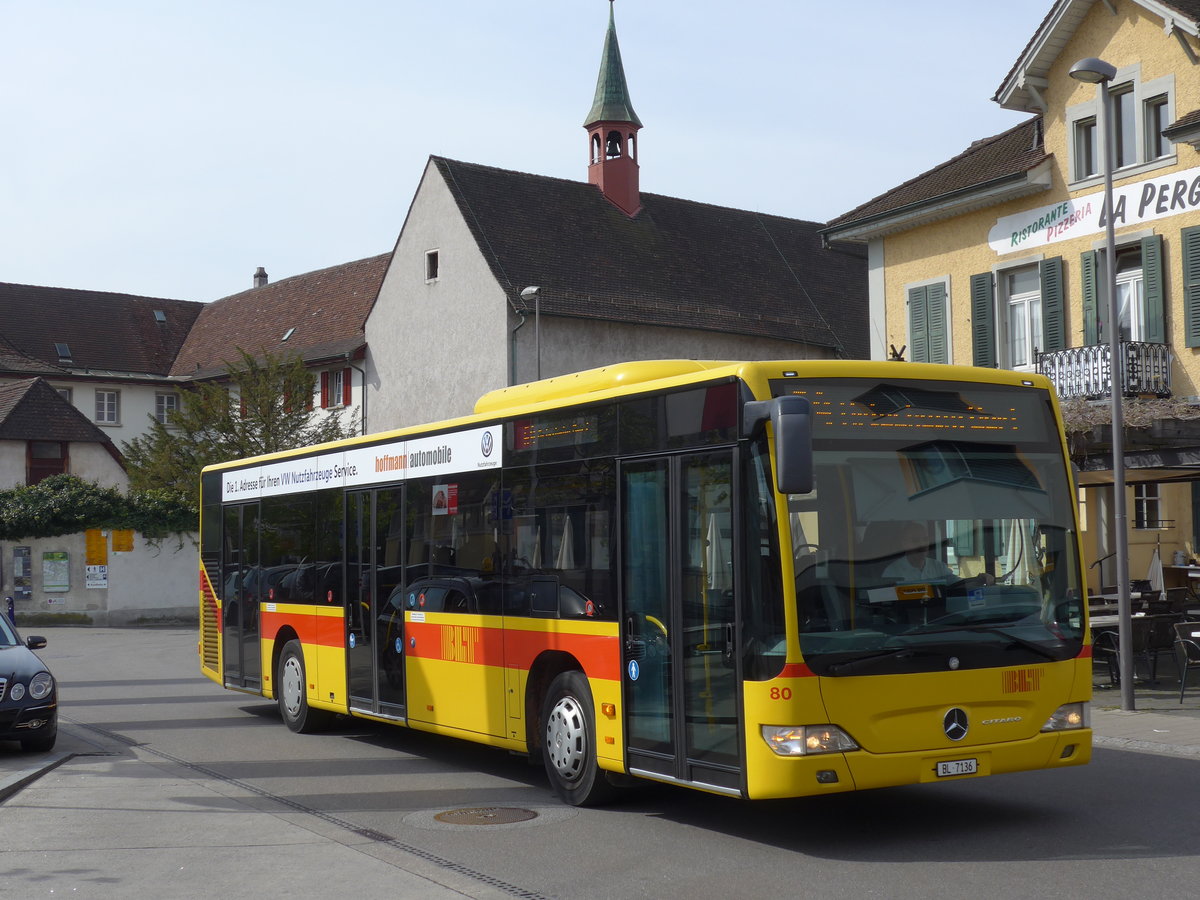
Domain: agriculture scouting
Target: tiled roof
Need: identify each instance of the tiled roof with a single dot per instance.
(1183, 124)
(992, 159)
(104, 332)
(327, 309)
(1052, 35)
(677, 263)
(14, 362)
(31, 410)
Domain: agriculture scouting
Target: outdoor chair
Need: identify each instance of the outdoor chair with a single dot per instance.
(1106, 648)
(1187, 651)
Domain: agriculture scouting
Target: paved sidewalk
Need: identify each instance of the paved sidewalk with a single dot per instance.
(120, 822)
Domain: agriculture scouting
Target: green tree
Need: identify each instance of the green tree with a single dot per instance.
(270, 412)
(66, 504)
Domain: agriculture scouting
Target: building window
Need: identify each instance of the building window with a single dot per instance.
(1131, 294)
(108, 407)
(65, 393)
(1140, 111)
(1157, 118)
(335, 388)
(1147, 506)
(431, 265)
(164, 404)
(1124, 126)
(46, 458)
(1087, 161)
(1023, 293)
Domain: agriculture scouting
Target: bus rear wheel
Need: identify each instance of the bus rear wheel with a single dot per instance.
(291, 692)
(569, 742)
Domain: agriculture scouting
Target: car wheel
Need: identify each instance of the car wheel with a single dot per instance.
(291, 693)
(569, 742)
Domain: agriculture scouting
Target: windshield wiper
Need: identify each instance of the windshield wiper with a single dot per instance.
(995, 629)
(862, 662)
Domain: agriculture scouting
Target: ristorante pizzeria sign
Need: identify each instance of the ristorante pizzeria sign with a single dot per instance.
(1142, 201)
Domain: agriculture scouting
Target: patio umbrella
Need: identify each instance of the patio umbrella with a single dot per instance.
(566, 547)
(717, 557)
(1155, 575)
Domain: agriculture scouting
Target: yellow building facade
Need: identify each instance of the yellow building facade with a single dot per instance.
(996, 258)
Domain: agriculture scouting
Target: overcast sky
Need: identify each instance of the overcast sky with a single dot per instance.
(168, 149)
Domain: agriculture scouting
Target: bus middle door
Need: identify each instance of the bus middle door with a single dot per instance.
(679, 669)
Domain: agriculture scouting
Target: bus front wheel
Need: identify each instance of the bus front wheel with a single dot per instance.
(292, 694)
(569, 742)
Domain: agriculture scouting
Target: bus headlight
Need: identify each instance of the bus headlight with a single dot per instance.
(1069, 717)
(807, 740)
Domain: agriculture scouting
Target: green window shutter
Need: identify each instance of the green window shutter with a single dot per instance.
(918, 326)
(1054, 325)
(1152, 283)
(1087, 269)
(935, 311)
(983, 325)
(1190, 239)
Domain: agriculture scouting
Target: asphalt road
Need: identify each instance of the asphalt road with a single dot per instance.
(178, 789)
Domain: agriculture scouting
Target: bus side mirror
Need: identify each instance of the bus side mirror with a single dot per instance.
(791, 421)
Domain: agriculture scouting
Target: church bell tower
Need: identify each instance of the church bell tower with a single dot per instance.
(612, 128)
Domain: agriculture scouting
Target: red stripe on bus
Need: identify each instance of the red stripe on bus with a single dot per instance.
(475, 644)
(599, 654)
(1085, 652)
(797, 670)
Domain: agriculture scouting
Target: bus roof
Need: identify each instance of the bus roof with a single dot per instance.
(662, 374)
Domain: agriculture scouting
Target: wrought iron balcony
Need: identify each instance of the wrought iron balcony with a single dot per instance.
(1085, 372)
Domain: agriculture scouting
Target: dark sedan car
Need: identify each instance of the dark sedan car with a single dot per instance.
(28, 695)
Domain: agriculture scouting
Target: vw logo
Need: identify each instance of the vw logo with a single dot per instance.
(955, 724)
(486, 443)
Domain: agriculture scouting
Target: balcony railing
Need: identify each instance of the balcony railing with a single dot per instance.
(1085, 373)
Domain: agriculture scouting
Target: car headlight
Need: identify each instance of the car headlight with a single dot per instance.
(1069, 717)
(41, 685)
(807, 740)
(17, 691)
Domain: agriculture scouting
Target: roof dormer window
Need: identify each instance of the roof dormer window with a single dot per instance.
(160, 317)
(63, 351)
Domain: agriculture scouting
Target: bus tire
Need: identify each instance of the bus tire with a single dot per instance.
(292, 695)
(569, 742)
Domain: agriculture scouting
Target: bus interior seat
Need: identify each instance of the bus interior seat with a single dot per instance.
(817, 599)
(879, 548)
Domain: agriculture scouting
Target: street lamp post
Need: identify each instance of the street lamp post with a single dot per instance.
(1100, 73)
(535, 292)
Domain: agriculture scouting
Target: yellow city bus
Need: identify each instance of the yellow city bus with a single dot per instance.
(758, 579)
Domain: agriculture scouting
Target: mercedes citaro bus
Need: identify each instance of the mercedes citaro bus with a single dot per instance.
(758, 579)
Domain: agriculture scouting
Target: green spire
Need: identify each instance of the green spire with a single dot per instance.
(612, 95)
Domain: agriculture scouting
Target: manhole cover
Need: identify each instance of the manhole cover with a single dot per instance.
(487, 815)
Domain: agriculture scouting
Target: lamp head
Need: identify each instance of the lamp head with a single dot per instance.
(530, 292)
(1093, 71)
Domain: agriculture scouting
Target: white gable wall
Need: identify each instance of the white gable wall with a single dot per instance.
(434, 347)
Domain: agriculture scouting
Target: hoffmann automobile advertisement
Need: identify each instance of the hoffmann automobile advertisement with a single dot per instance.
(444, 454)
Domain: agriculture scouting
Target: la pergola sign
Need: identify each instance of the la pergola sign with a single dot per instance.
(1142, 201)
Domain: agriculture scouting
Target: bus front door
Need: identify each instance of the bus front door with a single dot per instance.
(679, 668)
(241, 581)
(374, 623)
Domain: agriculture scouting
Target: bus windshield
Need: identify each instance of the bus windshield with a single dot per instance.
(940, 531)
